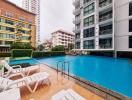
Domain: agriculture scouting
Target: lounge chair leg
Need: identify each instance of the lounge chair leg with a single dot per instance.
(36, 85)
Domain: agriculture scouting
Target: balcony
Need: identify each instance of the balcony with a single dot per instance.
(77, 11)
(76, 30)
(77, 36)
(104, 3)
(105, 43)
(105, 32)
(76, 3)
(105, 17)
(76, 20)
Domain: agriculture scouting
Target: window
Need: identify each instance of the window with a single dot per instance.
(88, 21)
(9, 14)
(130, 25)
(10, 29)
(22, 18)
(77, 45)
(89, 9)
(88, 32)
(77, 36)
(130, 41)
(130, 9)
(89, 44)
(86, 1)
(9, 22)
(105, 43)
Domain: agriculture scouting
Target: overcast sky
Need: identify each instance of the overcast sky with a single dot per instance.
(55, 14)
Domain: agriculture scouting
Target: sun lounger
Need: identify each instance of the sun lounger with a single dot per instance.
(25, 81)
(67, 95)
(16, 70)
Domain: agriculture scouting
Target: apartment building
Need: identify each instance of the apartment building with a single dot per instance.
(61, 37)
(34, 7)
(103, 25)
(16, 25)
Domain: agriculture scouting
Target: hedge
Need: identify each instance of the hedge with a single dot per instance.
(46, 54)
(21, 53)
(5, 54)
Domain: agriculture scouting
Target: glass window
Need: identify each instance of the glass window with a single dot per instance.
(77, 45)
(89, 9)
(130, 9)
(89, 32)
(86, 1)
(10, 29)
(105, 43)
(9, 22)
(9, 14)
(130, 41)
(89, 44)
(130, 25)
(22, 18)
(88, 21)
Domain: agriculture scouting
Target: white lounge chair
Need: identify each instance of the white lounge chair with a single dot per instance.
(16, 70)
(67, 95)
(38, 78)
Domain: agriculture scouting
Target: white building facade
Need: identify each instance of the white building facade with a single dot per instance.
(62, 37)
(34, 7)
(103, 25)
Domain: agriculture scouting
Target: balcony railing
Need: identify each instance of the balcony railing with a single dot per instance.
(105, 46)
(77, 11)
(76, 20)
(108, 2)
(76, 30)
(104, 32)
(76, 3)
(106, 17)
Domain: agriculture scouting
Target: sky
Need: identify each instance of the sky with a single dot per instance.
(55, 14)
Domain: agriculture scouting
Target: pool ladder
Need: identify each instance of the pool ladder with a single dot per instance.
(63, 67)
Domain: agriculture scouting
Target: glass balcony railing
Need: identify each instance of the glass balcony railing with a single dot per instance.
(105, 3)
(105, 32)
(105, 17)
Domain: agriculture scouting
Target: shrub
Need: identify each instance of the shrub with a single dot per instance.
(46, 54)
(58, 48)
(5, 54)
(21, 53)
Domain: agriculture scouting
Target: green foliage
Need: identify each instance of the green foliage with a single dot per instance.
(5, 54)
(21, 46)
(40, 47)
(46, 54)
(58, 48)
(21, 53)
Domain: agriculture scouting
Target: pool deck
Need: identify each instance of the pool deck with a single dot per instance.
(58, 83)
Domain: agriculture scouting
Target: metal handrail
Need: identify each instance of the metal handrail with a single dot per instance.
(63, 67)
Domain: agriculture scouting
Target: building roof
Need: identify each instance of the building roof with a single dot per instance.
(18, 7)
(61, 30)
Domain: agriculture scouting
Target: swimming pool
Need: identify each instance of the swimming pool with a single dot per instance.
(114, 74)
(30, 61)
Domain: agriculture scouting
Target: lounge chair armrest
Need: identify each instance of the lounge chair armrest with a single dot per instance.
(17, 66)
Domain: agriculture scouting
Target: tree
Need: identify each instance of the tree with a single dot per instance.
(17, 45)
(40, 47)
(58, 48)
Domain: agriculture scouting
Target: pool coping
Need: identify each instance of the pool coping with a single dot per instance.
(107, 93)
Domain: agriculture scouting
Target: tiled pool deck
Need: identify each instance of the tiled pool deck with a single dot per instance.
(57, 83)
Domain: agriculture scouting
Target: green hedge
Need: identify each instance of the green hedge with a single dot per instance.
(46, 54)
(21, 53)
(5, 54)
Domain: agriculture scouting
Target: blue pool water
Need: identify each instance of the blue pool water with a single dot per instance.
(30, 61)
(114, 74)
